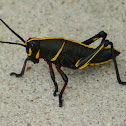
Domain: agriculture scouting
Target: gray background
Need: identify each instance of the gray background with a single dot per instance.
(93, 96)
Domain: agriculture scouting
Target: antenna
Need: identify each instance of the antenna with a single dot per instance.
(13, 43)
(12, 31)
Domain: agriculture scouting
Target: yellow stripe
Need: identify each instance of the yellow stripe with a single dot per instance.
(93, 64)
(67, 40)
(58, 38)
(95, 39)
(77, 63)
(31, 40)
(37, 55)
(30, 52)
(56, 56)
(87, 63)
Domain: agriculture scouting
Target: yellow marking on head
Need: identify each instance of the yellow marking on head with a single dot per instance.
(37, 55)
(87, 63)
(30, 52)
(56, 56)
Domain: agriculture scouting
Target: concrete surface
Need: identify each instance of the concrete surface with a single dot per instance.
(93, 96)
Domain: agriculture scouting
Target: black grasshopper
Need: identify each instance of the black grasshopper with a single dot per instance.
(67, 53)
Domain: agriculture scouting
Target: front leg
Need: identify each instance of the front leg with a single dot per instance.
(22, 71)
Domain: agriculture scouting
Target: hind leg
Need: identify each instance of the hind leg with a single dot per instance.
(101, 34)
(115, 64)
(65, 78)
(53, 78)
(84, 61)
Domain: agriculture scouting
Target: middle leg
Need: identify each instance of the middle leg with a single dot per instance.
(65, 78)
(53, 78)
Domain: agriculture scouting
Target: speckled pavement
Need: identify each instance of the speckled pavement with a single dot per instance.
(93, 96)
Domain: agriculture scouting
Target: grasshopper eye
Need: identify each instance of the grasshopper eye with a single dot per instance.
(32, 46)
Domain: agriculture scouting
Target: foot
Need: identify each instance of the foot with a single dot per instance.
(60, 101)
(55, 93)
(17, 75)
